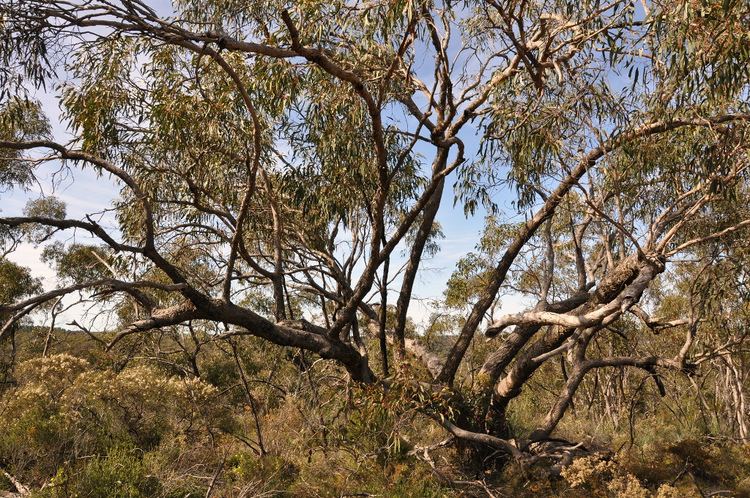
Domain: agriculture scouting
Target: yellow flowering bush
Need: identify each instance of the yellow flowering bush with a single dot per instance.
(63, 409)
(584, 469)
(602, 475)
(52, 373)
(607, 478)
(139, 401)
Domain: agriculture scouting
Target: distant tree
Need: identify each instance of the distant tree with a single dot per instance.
(273, 157)
(16, 283)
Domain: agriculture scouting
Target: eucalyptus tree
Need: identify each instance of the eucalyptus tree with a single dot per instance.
(16, 282)
(274, 157)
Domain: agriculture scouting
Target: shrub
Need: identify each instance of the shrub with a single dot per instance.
(64, 410)
(119, 474)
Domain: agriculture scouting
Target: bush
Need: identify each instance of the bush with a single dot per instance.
(120, 474)
(64, 410)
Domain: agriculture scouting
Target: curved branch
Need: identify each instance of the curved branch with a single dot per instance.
(117, 285)
(77, 155)
(622, 302)
(174, 315)
(480, 438)
(556, 413)
(497, 277)
(64, 224)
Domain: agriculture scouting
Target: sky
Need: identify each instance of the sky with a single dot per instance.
(84, 193)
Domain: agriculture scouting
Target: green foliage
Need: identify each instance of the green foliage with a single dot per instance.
(119, 474)
(78, 427)
(43, 207)
(62, 407)
(78, 263)
(16, 282)
(20, 120)
(705, 50)
(473, 270)
(81, 428)
(268, 151)
(272, 472)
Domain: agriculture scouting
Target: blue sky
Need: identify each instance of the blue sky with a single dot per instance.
(85, 193)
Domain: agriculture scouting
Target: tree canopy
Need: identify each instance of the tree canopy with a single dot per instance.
(277, 160)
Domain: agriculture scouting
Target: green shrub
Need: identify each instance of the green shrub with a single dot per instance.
(119, 474)
(272, 473)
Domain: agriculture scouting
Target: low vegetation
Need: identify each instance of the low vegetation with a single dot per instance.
(262, 420)
(263, 191)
